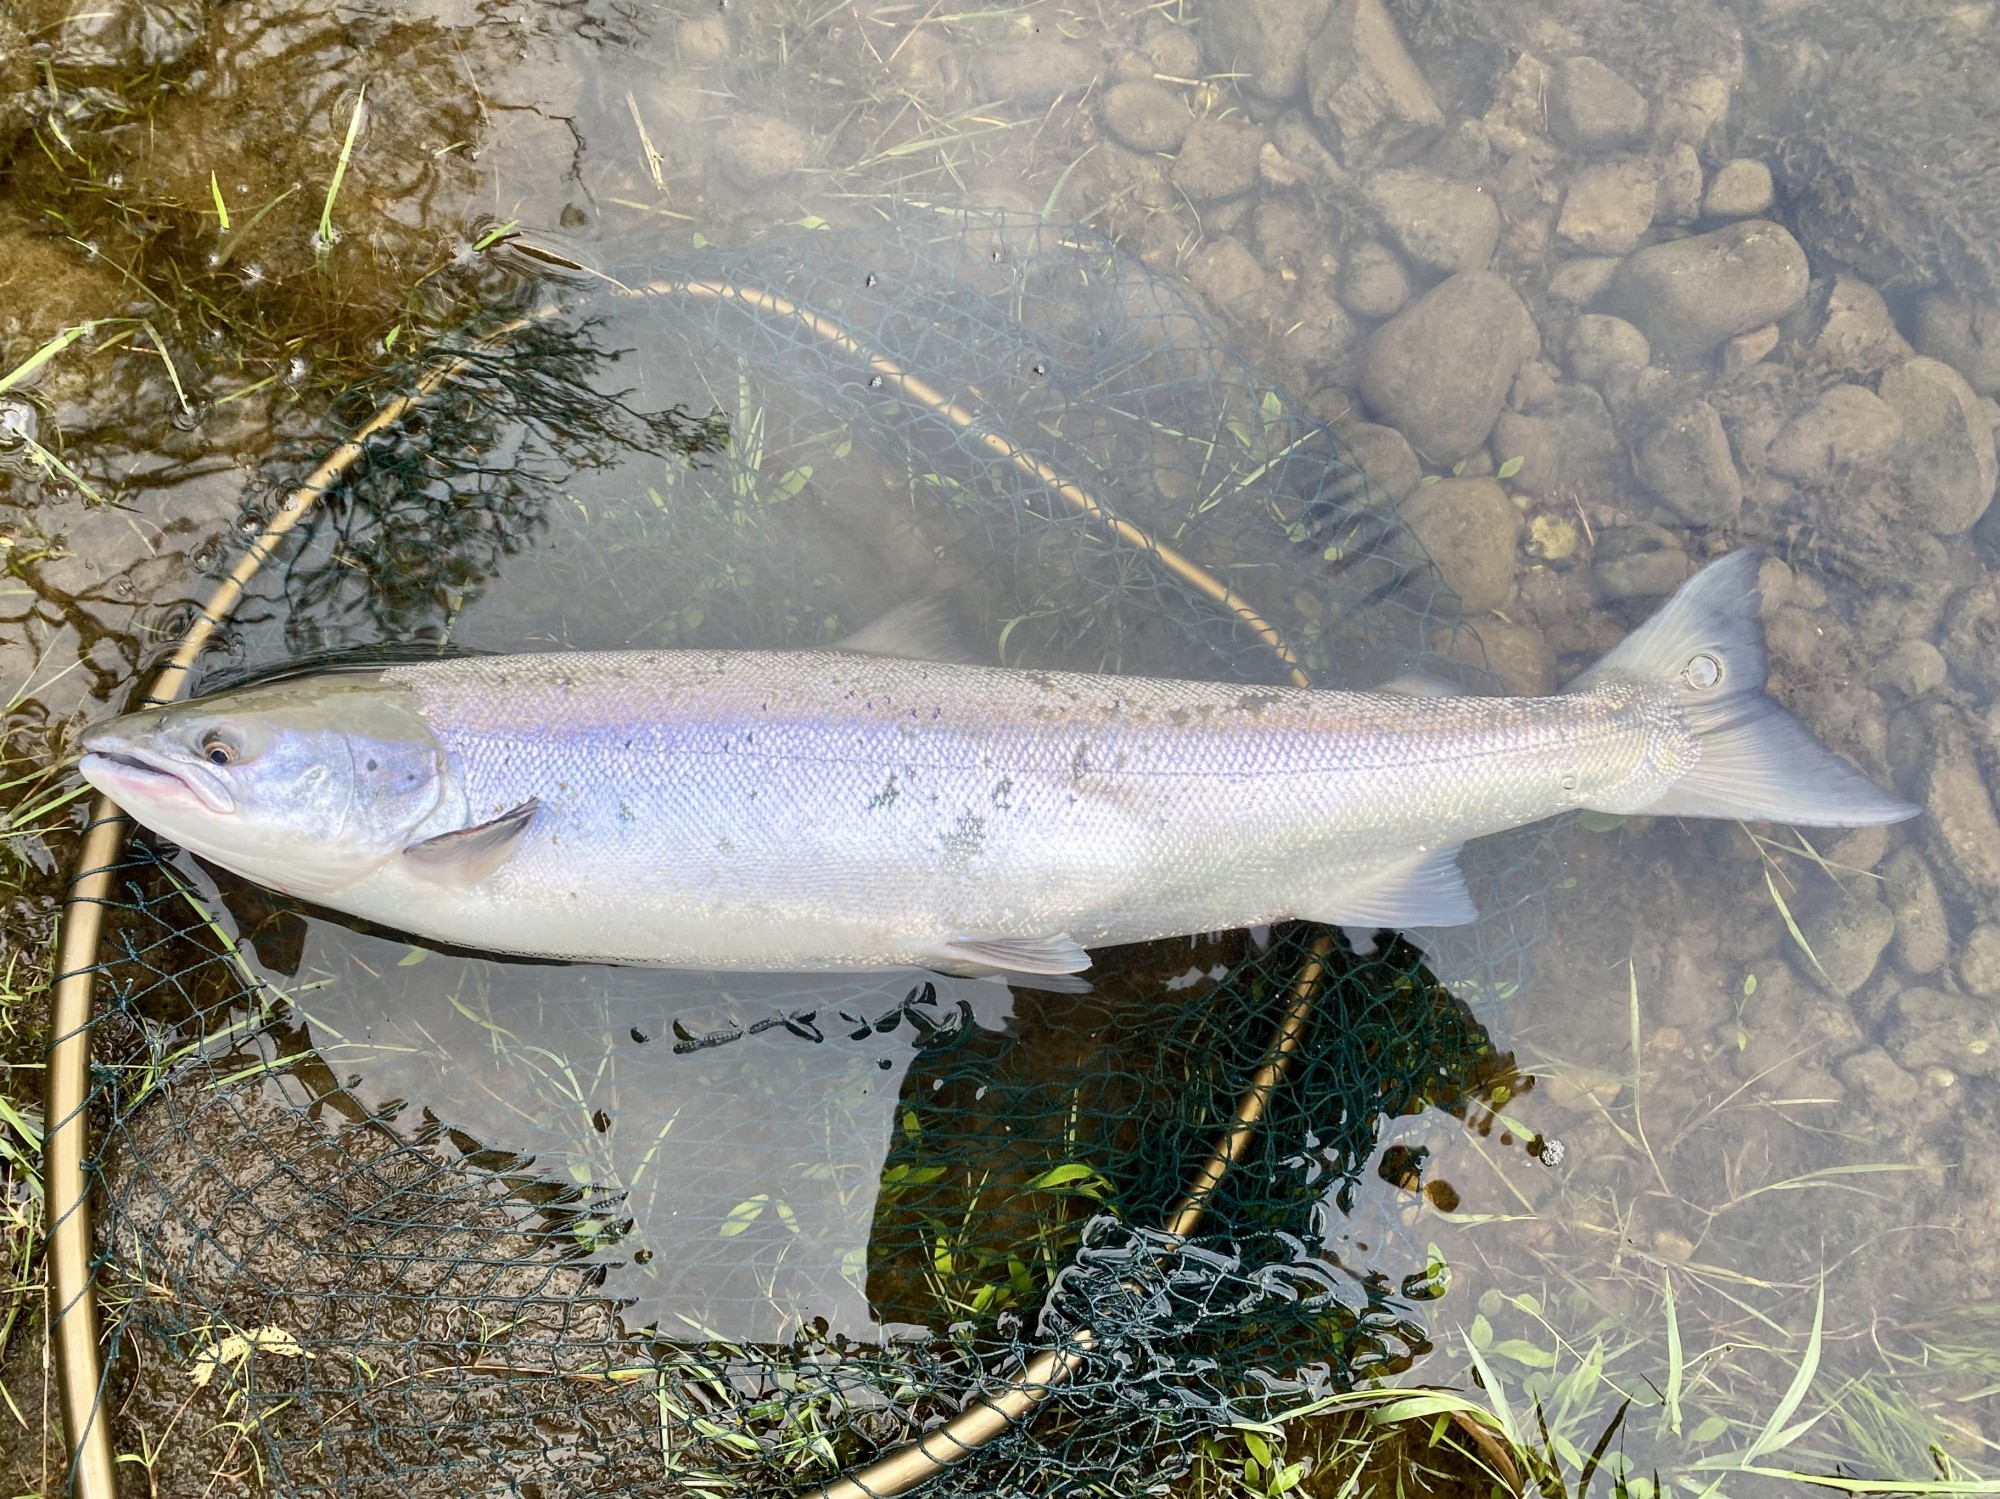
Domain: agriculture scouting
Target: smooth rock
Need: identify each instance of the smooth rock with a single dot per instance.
(1972, 635)
(1035, 72)
(1326, 345)
(1978, 965)
(1685, 460)
(1442, 225)
(756, 150)
(1261, 41)
(1609, 205)
(1691, 294)
(1472, 532)
(1218, 159)
(1146, 116)
(1598, 345)
(1934, 1029)
(1582, 281)
(1747, 349)
(1374, 281)
(1964, 832)
(1361, 81)
(1911, 669)
(1846, 427)
(1230, 277)
(1964, 334)
(1439, 370)
(1923, 940)
(1515, 653)
(1859, 335)
(1740, 189)
(1592, 108)
(1384, 455)
(1946, 454)
(1566, 445)
(1638, 562)
(1885, 1088)
(1848, 938)
(1680, 186)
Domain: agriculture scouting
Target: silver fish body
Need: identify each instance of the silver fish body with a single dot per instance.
(800, 810)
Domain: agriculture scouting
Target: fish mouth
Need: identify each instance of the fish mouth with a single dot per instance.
(129, 774)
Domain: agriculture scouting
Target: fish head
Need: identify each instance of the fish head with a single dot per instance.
(306, 785)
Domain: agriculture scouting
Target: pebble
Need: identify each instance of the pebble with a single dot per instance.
(1946, 455)
(1035, 72)
(1230, 277)
(1218, 159)
(1846, 427)
(1146, 116)
(1442, 225)
(1582, 281)
(1911, 669)
(1964, 334)
(1934, 1029)
(1262, 42)
(1566, 443)
(1685, 460)
(1361, 80)
(1517, 117)
(1638, 562)
(1325, 345)
(1859, 335)
(1964, 833)
(1680, 186)
(1592, 108)
(1972, 635)
(1515, 653)
(1609, 205)
(1848, 938)
(1747, 349)
(1978, 964)
(1598, 345)
(1176, 51)
(1740, 189)
(1691, 294)
(1472, 532)
(1374, 281)
(1385, 456)
(756, 150)
(1886, 1087)
(1923, 940)
(1439, 370)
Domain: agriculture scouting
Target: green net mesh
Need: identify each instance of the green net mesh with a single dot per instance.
(380, 1219)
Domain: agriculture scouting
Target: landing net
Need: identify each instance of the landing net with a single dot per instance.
(373, 1219)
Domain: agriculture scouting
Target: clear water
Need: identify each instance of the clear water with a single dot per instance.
(1776, 1159)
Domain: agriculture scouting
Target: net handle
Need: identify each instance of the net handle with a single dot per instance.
(73, 1320)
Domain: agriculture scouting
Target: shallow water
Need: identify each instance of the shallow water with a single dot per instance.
(1765, 1071)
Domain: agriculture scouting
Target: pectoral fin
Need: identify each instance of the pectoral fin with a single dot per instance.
(1028, 956)
(1427, 891)
(466, 856)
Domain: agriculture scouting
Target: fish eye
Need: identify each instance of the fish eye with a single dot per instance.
(221, 745)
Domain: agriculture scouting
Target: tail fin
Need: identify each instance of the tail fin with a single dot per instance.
(1757, 761)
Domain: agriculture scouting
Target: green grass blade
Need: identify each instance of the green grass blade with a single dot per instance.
(1774, 1435)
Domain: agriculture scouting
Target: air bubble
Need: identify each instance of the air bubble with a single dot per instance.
(869, 279)
(18, 423)
(874, 382)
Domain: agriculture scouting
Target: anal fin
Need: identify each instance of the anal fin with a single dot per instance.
(1425, 891)
(465, 856)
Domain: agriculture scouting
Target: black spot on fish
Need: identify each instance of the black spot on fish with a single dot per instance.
(1255, 702)
(964, 843)
(1003, 794)
(886, 797)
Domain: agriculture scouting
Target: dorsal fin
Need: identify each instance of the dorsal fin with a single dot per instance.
(925, 629)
